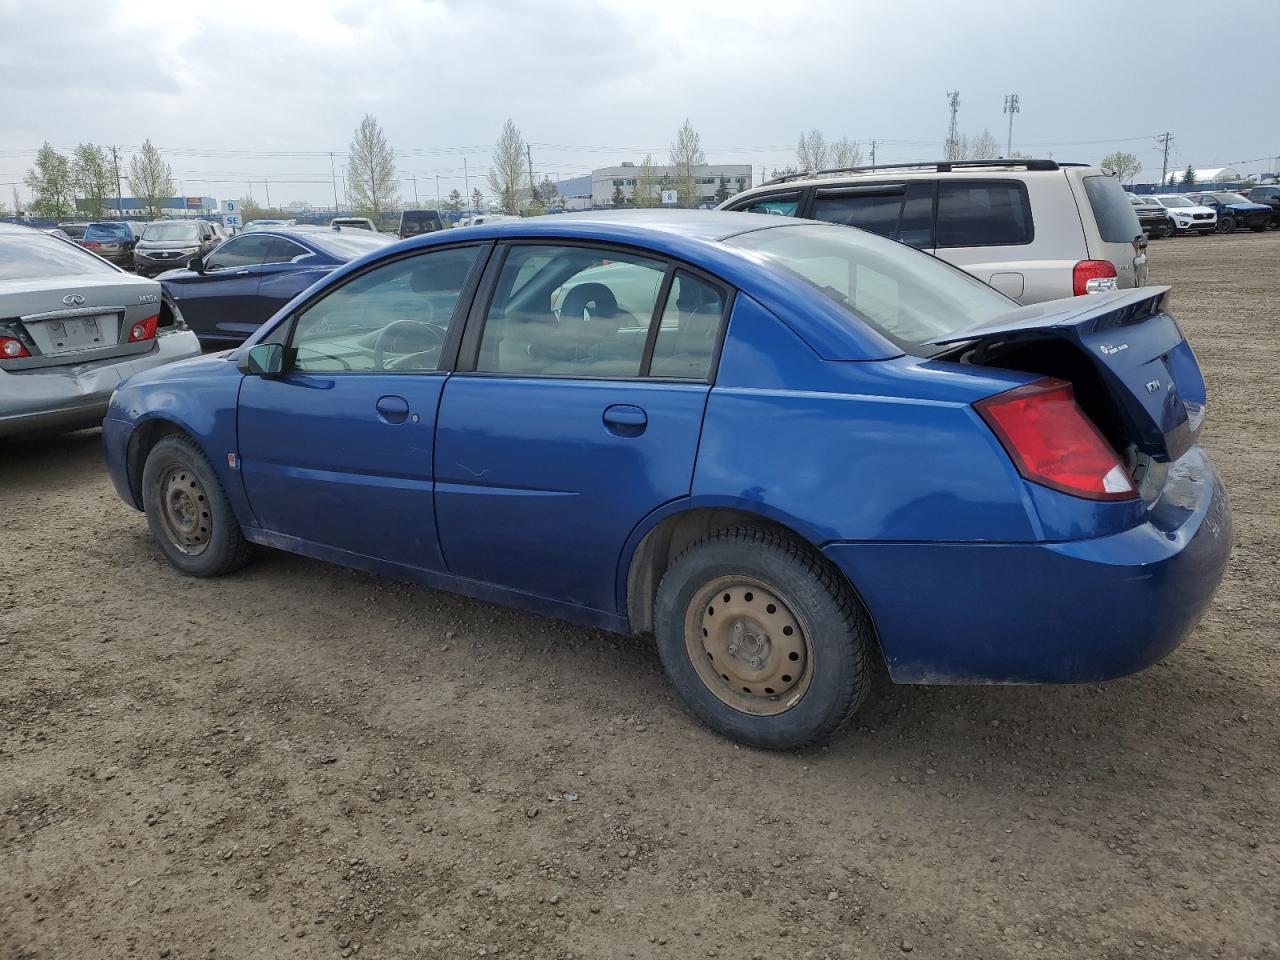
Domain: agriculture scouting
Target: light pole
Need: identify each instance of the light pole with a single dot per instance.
(1010, 107)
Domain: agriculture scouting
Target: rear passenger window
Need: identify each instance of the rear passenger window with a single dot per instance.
(983, 213)
(779, 204)
(686, 343)
(877, 211)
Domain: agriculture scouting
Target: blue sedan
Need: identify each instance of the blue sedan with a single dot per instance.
(228, 294)
(787, 449)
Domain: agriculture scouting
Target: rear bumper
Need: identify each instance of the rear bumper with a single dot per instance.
(1074, 612)
(75, 396)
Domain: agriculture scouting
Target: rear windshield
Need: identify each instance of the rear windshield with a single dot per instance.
(420, 221)
(1117, 223)
(28, 257)
(108, 231)
(909, 296)
(1230, 198)
(348, 245)
(171, 232)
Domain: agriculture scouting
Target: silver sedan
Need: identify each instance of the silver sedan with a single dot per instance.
(72, 328)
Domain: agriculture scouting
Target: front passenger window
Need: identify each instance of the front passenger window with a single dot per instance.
(246, 251)
(393, 317)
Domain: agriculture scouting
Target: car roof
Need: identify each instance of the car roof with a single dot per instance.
(704, 225)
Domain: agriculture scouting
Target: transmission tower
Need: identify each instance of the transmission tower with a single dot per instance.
(953, 132)
(1010, 107)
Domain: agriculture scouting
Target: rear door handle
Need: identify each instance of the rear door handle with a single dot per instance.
(625, 420)
(393, 409)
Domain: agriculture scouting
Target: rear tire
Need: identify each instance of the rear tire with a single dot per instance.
(792, 641)
(188, 511)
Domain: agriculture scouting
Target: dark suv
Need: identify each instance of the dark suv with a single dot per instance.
(1234, 211)
(1153, 218)
(414, 222)
(1270, 195)
(112, 241)
(169, 244)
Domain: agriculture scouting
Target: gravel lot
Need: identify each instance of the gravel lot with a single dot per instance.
(304, 761)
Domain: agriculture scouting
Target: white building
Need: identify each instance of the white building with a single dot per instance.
(1208, 175)
(604, 182)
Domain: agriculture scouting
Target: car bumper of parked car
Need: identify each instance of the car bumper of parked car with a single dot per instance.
(76, 396)
(1186, 223)
(150, 266)
(1072, 612)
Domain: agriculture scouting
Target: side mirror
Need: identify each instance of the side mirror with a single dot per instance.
(263, 360)
(196, 264)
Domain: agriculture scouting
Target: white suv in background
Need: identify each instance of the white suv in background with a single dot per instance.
(1033, 229)
(1188, 215)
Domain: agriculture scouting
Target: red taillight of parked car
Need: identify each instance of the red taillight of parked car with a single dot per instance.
(91, 244)
(1093, 276)
(1053, 443)
(144, 329)
(12, 348)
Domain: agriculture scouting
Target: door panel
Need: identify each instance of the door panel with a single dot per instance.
(541, 480)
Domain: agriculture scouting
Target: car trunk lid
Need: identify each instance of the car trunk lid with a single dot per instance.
(1134, 373)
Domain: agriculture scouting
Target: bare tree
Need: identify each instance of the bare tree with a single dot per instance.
(94, 178)
(371, 171)
(983, 147)
(507, 169)
(846, 153)
(1125, 165)
(811, 151)
(957, 147)
(52, 192)
(151, 179)
(686, 158)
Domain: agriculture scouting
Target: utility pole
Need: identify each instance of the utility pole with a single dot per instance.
(953, 131)
(115, 162)
(1010, 107)
(1165, 140)
(529, 156)
(873, 154)
(415, 191)
(334, 177)
(466, 180)
(416, 201)
(267, 186)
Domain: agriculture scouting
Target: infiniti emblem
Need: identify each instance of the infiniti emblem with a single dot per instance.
(73, 299)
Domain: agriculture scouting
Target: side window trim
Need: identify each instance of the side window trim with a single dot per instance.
(655, 319)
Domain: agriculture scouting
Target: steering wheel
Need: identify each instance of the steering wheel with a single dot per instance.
(433, 340)
(327, 356)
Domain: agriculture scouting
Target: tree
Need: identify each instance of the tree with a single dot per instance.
(52, 193)
(846, 153)
(787, 171)
(94, 178)
(507, 169)
(249, 209)
(477, 200)
(722, 191)
(811, 151)
(1189, 176)
(371, 171)
(549, 194)
(983, 147)
(453, 203)
(151, 179)
(686, 158)
(619, 199)
(4, 211)
(642, 194)
(957, 149)
(1125, 165)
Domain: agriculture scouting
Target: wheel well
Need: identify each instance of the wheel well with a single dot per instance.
(140, 444)
(667, 540)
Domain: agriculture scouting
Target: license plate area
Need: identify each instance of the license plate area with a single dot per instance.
(71, 334)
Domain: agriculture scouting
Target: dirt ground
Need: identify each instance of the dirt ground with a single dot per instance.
(304, 761)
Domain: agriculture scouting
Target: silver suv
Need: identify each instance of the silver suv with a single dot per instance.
(1033, 229)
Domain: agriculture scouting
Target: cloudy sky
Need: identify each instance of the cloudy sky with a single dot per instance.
(236, 93)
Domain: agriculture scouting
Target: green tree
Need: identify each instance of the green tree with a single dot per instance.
(453, 203)
(1125, 165)
(549, 194)
(722, 191)
(151, 179)
(619, 199)
(477, 200)
(507, 168)
(642, 194)
(787, 171)
(52, 191)
(686, 158)
(94, 178)
(1189, 176)
(371, 171)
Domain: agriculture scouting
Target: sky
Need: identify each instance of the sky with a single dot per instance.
(254, 96)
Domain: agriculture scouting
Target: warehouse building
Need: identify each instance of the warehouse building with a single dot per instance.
(736, 176)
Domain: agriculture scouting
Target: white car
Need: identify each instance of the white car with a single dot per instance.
(1188, 216)
(74, 327)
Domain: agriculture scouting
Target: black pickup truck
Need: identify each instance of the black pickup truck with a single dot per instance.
(1153, 218)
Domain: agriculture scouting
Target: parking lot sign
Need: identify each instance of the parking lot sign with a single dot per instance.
(669, 196)
(231, 206)
(232, 220)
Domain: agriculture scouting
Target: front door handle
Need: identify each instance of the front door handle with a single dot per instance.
(625, 420)
(393, 409)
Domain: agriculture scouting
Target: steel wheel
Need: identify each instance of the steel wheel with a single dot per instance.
(184, 510)
(748, 647)
(1226, 225)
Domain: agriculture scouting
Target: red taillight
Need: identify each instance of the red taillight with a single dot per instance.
(11, 348)
(1053, 443)
(1093, 276)
(90, 244)
(144, 329)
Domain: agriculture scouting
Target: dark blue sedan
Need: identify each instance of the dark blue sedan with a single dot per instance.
(244, 281)
(787, 449)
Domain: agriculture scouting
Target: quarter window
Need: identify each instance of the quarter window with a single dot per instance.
(983, 213)
(391, 318)
(686, 342)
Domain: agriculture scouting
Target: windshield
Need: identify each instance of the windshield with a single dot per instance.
(38, 255)
(1175, 202)
(169, 232)
(348, 245)
(1230, 198)
(909, 296)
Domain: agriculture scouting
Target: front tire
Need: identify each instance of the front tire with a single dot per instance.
(1226, 225)
(188, 511)
(762, 639)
